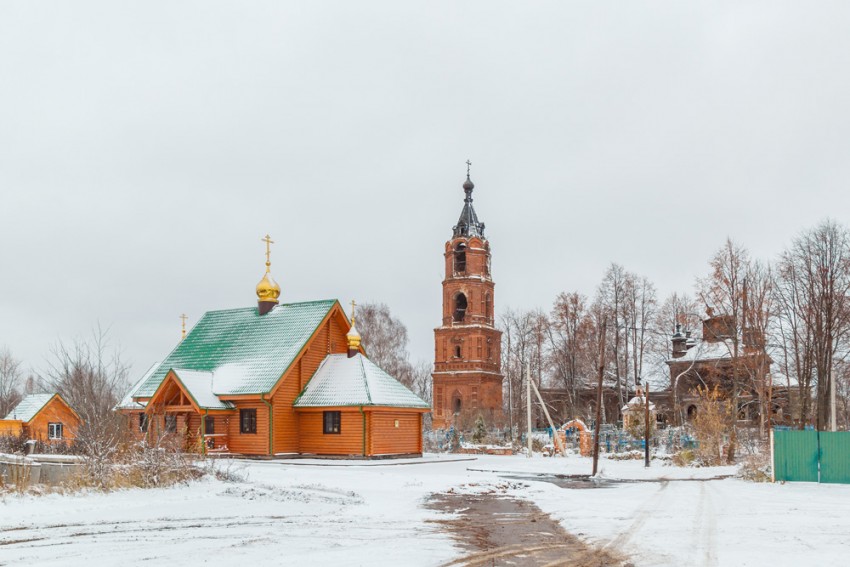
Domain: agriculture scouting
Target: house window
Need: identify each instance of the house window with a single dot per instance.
(143, 422)
(54, 431)
(331, 422)
(247, 421)
(170, 423)
(209, 425)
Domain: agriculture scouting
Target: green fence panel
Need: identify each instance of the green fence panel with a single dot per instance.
(835, 457)
(795, 455)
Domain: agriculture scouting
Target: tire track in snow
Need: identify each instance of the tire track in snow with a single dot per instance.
(650, 505)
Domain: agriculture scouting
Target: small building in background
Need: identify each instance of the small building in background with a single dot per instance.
(43, 417)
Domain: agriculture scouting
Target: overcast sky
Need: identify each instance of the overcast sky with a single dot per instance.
(146, 147)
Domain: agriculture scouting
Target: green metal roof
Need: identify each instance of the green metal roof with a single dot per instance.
(246, 352)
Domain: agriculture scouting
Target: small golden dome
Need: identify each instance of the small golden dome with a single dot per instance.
(267, 289)
(353, 337)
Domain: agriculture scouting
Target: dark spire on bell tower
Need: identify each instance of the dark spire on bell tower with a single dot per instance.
(467, 224)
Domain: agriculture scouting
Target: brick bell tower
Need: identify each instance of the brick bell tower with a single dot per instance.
(467, 355)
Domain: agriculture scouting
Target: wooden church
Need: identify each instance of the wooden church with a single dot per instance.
(277, 379)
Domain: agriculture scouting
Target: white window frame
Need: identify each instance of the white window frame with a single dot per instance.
(55, 430)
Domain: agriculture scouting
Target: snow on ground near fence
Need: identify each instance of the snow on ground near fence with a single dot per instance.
(356, 513)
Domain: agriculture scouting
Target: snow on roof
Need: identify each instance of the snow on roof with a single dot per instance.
(29, 407)
(127, 402)
(705, 350)
(355, 381)
(199, 385)
(636, 403)
(261, 346)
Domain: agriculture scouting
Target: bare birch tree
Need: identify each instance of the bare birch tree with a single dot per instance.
(812, 286)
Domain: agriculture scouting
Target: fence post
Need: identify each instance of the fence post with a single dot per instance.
(772, 459)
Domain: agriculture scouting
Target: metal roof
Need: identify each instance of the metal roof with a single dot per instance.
(247, 353)
(355, 381)
(29, 407)
(468, 225)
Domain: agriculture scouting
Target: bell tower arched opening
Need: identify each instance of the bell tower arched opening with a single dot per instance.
(460, 305)
(460, 259)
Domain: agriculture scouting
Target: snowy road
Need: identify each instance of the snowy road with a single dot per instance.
(374, 514)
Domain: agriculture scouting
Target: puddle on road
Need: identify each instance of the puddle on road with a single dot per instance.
(579, 482)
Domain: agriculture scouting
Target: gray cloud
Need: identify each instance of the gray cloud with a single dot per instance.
(145, 148)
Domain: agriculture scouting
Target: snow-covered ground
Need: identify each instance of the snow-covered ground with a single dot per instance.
(372, 513)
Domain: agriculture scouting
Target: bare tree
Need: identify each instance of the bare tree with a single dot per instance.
(572, 345)
(611, 298)
(10, 382)
(812, 286)
(385, 340)
(90, 376)
(723, 291)
(519, 346)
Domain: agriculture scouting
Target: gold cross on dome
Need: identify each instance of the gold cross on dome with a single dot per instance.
(183, 318)
(269, 243)
(353, 305)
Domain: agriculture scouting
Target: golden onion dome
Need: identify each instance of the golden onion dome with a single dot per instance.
(267, 289)
(353, 337)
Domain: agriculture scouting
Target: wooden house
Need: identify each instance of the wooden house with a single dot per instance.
(45, 417)
(277, 379)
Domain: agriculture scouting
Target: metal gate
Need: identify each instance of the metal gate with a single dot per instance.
(835, 457)
(811, 456)
(795, 455)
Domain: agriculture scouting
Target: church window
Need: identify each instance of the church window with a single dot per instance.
(460, 259)
(479, 348)
(247, 421)
(489, 350)
(54, 431)
(458, 352)
(488, 306)
(460, 308)
(331, 422)
(170, 423)
(143, 422)
(457, 405)
(209, 425)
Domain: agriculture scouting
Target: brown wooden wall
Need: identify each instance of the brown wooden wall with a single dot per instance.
(11, 427)
(387, 439)
(249, 443)
(348, 442)
(54, 412)
(330, 338)
(382, 436)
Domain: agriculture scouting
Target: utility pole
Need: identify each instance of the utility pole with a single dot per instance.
(510, 393)
(599, 397)
(528, 402)
(646, 425)
(833, 424)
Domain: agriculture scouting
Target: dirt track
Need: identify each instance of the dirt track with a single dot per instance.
(498, 530)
